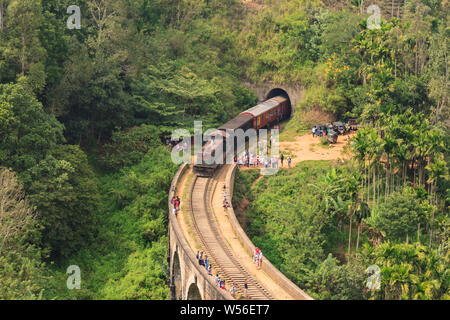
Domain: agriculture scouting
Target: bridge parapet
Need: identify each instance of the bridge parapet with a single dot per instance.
(188, 280)
(270, 269)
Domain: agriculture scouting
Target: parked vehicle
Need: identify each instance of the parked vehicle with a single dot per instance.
(339, 127)
(329, 127)
(332, 136)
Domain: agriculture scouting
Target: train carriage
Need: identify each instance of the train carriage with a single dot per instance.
(269, 112)
(204, 162)
(261, 116)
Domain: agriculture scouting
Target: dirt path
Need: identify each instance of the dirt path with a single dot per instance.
(305, 148)
(308, 148)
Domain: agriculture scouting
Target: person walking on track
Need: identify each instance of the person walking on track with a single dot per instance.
(245, 289)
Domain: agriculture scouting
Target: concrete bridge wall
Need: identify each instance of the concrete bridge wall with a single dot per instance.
(266, 90)
(188, 280)
(272, 271)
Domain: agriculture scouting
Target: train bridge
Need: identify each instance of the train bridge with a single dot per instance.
(204, 225)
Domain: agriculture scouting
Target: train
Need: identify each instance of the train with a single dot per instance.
(263, 115)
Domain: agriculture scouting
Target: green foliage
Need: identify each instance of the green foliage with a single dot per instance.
(22, 274)
(333, 281)
(62, 188)
(144, 276)
(294, 228)
(142, 68)
(21, 52)
(128, 148)
(399, 215)
(128, 259)
(410, 271)
(29, 133)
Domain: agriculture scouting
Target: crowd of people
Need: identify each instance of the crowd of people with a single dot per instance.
(258, 258)
(204, 261)
(175, 201)
(318, 132)
(252, 160)
(226, 204)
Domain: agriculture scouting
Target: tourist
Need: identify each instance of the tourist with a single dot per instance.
(255, 256)
(233, 290)
(178, 203)
(245, 289)
(210, 270)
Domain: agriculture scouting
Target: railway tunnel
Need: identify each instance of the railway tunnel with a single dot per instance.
(280, 92)
(266, 90)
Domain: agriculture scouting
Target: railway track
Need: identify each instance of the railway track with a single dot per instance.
(215, 246)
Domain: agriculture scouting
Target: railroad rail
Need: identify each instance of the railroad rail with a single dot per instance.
(214, 245)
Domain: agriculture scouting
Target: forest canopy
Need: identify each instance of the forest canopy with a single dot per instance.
(85, 114)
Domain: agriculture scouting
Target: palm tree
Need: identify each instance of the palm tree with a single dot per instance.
(350, 217)
(388, 148)
(360, 147)
(437, 170)
(362, 212)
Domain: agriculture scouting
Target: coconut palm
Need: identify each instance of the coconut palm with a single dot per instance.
(362, 212)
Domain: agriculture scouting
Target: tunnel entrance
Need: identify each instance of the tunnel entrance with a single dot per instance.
(176, 278)
(280, 92)
(194, 292)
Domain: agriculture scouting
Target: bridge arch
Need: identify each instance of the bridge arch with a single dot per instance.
(176, 281)
(194, 292)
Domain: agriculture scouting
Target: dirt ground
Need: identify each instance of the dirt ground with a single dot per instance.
(308, 148)
(305, 147)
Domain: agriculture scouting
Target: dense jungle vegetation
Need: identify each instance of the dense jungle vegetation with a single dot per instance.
(84, 114)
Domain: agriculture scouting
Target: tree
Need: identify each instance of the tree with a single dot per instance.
(128, 148)
(21, 270)
(23, 50)
(362, 212)
(399, 215)
(409, 271)
(28, 132)
(61, 186)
